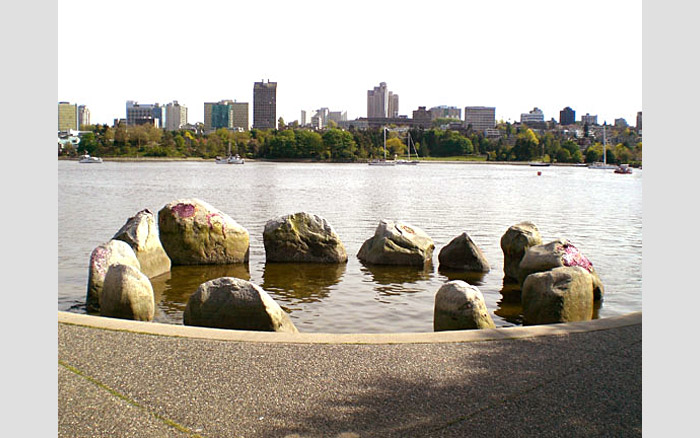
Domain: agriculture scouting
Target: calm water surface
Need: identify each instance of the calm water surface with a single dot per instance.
(599, 211)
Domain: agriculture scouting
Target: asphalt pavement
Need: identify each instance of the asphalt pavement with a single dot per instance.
(120, 378)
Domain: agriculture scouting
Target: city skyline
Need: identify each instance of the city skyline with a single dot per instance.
(430, 57)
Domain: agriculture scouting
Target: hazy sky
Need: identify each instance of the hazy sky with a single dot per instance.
(510, 54)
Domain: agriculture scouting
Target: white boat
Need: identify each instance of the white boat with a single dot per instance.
(604, 164)
(231, 159)
(384, 162)
(624, 169)
(88, 159)
(409, 161)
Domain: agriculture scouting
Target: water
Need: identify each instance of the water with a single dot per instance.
(597, 210)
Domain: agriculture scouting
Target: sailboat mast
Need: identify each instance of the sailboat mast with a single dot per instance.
(385, 142)
(605, 142)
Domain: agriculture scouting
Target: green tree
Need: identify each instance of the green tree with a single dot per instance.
(309, 144)
(340, 144)
(282, 145)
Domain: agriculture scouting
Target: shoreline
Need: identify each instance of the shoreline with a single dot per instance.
(308, 160)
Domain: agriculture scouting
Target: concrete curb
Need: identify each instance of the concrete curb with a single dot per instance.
(457, 336)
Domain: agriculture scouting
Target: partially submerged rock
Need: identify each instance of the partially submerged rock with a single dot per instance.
(193, 232)
(232, 303)
(563, 294)
(463, 254)
(141, 233)
(460, 306)
(302, 238)
(516, 240)
(558, 253)
(101, 258)
(127, 294)
(397, 243)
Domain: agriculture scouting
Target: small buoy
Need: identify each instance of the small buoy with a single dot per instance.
(539, 173)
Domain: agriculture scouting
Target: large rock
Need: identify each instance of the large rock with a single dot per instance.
(460, 306)
(101, 258)
(560, 252)
(127, 294)
(141, 233)
(563, 294)
(232, 303)
(397, 243)
(195, 233)
(302, 238)
(516, 240)
(463, 254)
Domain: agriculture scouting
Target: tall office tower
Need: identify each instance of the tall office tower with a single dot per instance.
(480, 118)
(338, 116)
(393, 105)
(265, 105)
(639, 121)
(226, 114)
(303, 117)
(378, 101)
(567, 116)
(175, 116)
(142, 114)
(67, 116)
(83, 116)
(589, 119)
(536, 115)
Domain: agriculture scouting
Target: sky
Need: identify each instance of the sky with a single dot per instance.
(509, 54)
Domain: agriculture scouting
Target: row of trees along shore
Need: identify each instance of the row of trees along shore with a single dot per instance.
(517, 143)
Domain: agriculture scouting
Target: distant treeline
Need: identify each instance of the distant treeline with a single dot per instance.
(333, 144)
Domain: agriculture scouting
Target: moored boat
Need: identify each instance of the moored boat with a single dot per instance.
(88, 159)
(623, 169)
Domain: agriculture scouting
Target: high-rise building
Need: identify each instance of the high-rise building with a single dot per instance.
(143, 114)
(536, 115)
(567, 116)
(382, 103)
(67, 116)
(639, 122)
(589, 119)
(227, 114)
(83, 116)
(265, 105)
(480, 118)
(338, 116)
(175, 116)
(392, 109)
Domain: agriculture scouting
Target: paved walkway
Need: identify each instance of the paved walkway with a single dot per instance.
(128, 379)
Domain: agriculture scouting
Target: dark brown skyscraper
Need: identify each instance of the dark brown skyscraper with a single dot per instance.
(265, 105)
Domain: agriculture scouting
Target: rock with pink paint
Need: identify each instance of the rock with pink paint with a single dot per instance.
(193, 232)
(562, 294)
(559, 253)
(101, 258)
(141, 233)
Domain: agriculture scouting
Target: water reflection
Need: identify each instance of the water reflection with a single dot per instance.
(389, 280)
(173, 289)
(510, 306)
(473, 278)
(301, 282)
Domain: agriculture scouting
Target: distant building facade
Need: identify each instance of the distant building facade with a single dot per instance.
(338, 116)
(567, 116)
(67, 116)
(639, 122)
(480, 118)
(265, 105)
(589, 120)
(445, 112)
(382, 103)
(175, 116)
(227, 114)
(534, 116)
(422, 117)
(144, 114)
(83, 116)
